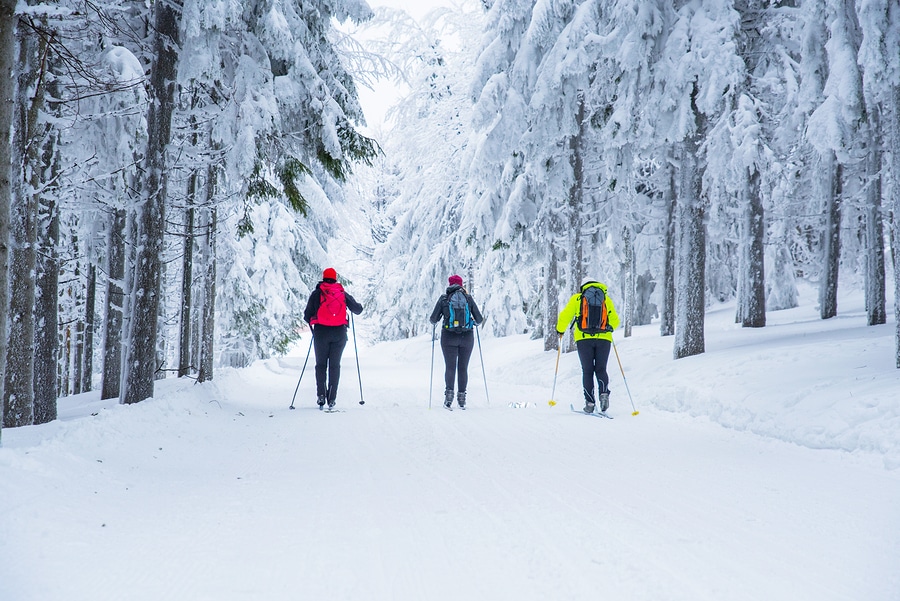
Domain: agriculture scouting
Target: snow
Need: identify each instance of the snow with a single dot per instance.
(766, 468)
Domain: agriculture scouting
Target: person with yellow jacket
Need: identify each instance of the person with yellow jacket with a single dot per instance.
(594, 316)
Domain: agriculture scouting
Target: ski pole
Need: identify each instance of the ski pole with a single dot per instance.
(431, 381)
(552, 403)
(302, 370)
(635, 412)
(483, 376)
(356, 352)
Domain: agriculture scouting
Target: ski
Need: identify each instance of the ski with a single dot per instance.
(333, 410)
(596, 414)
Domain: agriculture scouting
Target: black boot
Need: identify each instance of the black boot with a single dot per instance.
(448, 398)
(588, 402)
(604, 402)
(461, 399)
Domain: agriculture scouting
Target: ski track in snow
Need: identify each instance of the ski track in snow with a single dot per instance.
(220, 492)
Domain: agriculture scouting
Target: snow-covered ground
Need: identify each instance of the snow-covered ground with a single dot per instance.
(766, 468)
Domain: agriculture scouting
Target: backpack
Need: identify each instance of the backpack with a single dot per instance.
(460, 319)
(332, 306)
(592, 318)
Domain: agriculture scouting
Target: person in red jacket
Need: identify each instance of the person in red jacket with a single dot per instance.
(326, 313)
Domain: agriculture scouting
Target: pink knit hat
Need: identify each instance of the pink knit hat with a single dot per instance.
(455, 279)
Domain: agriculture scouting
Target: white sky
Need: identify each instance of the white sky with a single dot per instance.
(417, 8)
(376, 102)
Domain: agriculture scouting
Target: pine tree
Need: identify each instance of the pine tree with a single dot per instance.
(140, 351)
(8, 21)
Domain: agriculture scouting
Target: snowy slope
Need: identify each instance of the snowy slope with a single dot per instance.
(220, 492)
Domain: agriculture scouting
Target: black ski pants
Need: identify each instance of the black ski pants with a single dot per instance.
(329, 342)
(457, 349)
(593, 354)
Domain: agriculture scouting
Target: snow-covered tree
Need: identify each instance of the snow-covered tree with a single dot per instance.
(7, 165)
(18, 391)
(141, 347)
(416, 207)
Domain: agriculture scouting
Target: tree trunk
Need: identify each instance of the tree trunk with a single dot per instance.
(65, 362)
(832, 173)
(87, 374)
(208, 256)
(626, 310)
(576, 204)
(755, 278)
(876, 304)
(140, 368)
(187, 266)
(551, 296)
(8, 22)
(78, 344)
(18, 392)
(895, 221)
(46, 310)
(691, 215)
(112, 339)
(667, 311)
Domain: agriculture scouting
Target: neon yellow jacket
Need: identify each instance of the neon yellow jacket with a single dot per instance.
(571, 310)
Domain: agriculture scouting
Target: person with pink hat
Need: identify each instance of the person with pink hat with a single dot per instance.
(326, 313)
(460, 315)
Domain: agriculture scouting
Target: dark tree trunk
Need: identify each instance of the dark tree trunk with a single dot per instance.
(112, 339)
(8, 22)
(208, 256)
(89, 308)
(626, 311)
(551, 296)
(576, 203)
(876, 303)
(141, 365)
(755, 280)
(46, 333)
(831, 258)
(18, 392)
(187, 266)
(667, 311)
(691, 208)
(895, 218)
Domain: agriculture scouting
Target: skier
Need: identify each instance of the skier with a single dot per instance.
(595, 319)
(326, 312)
(460, 315)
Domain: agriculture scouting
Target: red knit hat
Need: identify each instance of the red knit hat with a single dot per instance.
(329, 274)
(455, 279)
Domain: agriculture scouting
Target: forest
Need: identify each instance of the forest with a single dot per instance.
(178, 172)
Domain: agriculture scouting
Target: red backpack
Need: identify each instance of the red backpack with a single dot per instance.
(332, 306)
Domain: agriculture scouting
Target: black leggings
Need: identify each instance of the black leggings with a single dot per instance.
(457, 350)
(593, 353)
(329, 343)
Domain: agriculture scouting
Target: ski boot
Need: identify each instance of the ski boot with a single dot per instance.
(461, 399)
(320, 401)
(588, 405)
(604, 402)
(448, 399)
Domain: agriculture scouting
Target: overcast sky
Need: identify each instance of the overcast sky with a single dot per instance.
(376, 102)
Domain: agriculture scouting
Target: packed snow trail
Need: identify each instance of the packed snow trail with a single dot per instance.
(220, 492)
